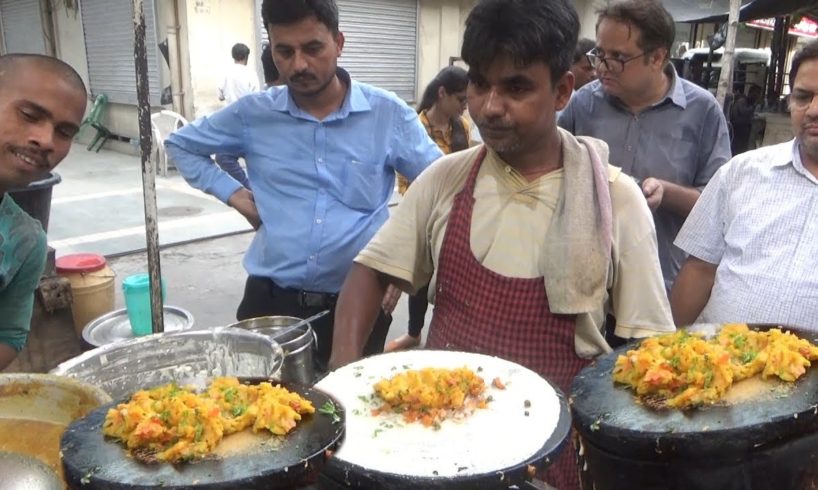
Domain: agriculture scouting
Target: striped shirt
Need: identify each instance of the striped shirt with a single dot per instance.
(758, 220)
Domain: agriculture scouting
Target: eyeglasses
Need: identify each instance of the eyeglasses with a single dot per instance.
(613, 65)
(801, 100)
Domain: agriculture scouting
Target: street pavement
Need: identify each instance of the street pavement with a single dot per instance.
(98, 208)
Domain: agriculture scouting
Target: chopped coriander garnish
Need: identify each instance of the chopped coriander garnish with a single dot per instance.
(329, 408)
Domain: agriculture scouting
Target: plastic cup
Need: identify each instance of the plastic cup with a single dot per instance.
(136, 289)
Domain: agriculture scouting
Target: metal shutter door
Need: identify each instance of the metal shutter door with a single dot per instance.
(381, 43)
(22, 26)
(109, 45)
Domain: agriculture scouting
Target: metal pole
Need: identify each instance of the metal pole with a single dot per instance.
(726, 78)
(148, 171)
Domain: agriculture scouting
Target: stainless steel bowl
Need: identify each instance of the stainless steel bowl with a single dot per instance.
(34, 411)
(189, 357)
(298, 345)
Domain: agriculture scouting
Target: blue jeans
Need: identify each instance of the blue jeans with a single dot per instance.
(230, 164)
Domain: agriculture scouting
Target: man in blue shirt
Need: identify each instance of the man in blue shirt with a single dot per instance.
(42, 101)
(666, 132)
(321, 155)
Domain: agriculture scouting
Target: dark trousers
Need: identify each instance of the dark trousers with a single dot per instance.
(418, 304)
(263, 297)
(231, 165)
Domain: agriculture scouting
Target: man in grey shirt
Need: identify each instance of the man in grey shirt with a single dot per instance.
(666, 132)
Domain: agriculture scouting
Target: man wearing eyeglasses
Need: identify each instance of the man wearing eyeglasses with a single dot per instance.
(752, 235)
(666, 132)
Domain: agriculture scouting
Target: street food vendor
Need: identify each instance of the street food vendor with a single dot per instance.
(42, 101)
(528, 240)
(321, 153)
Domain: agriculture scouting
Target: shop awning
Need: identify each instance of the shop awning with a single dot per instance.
(716, 10)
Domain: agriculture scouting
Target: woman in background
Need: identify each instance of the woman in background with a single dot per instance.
(441, 112)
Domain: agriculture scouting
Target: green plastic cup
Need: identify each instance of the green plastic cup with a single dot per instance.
(137, 292)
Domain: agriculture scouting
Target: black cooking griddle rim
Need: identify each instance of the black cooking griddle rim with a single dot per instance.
(251, 471)
(609, 416)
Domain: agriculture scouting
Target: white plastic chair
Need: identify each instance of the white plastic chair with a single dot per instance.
(163, 123)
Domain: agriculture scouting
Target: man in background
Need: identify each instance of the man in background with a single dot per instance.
(741, 117)
(239, 81)
(322, 150)
(584, 72)
(751, 236)
(271, 75)
(664, 131)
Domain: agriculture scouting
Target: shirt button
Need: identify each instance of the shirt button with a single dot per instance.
(508, 169)
(320, 160)
(318, 220)
(312, 257)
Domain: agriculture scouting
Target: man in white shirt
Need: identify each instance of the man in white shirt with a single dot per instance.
(751, 235)
(239, 81)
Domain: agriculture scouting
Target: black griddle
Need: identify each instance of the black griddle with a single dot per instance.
(92, 461)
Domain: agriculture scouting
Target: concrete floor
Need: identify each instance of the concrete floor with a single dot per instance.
(207, 279)
(204, 277)
(98, 208)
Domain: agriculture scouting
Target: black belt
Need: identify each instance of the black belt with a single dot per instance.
(307, 299)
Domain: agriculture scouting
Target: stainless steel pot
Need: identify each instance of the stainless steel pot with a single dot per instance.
(298, 345)
(34, 411)
(188, 357)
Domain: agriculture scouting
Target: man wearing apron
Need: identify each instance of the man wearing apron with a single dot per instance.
(529, 240)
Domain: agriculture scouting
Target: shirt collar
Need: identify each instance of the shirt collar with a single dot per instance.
(676, 94)
(784, 158)
(355, 100)
(792, 157)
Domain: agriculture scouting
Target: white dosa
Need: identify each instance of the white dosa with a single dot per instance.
(490, 439)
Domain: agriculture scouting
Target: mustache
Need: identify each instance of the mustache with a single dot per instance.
(492, 125)
(303, 76)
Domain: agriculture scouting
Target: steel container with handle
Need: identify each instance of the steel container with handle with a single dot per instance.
(298, 345)
(188, 357)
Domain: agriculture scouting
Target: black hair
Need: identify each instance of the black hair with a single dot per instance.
(808, 52)
(452, 78)
(277, 12)
(270, 71)
(649, 16)
(240, 52)
(583, 46)
(527, 30)
(58, 66)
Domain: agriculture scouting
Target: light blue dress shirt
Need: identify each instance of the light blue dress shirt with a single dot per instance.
(321, 187)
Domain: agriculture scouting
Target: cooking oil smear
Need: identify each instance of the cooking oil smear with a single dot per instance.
(757, 389)
(247, 442)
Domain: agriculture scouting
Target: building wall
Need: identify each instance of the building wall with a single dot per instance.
(586, 9)
(440, 35)
(441, 32)
(121, 119)
(212, 28)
